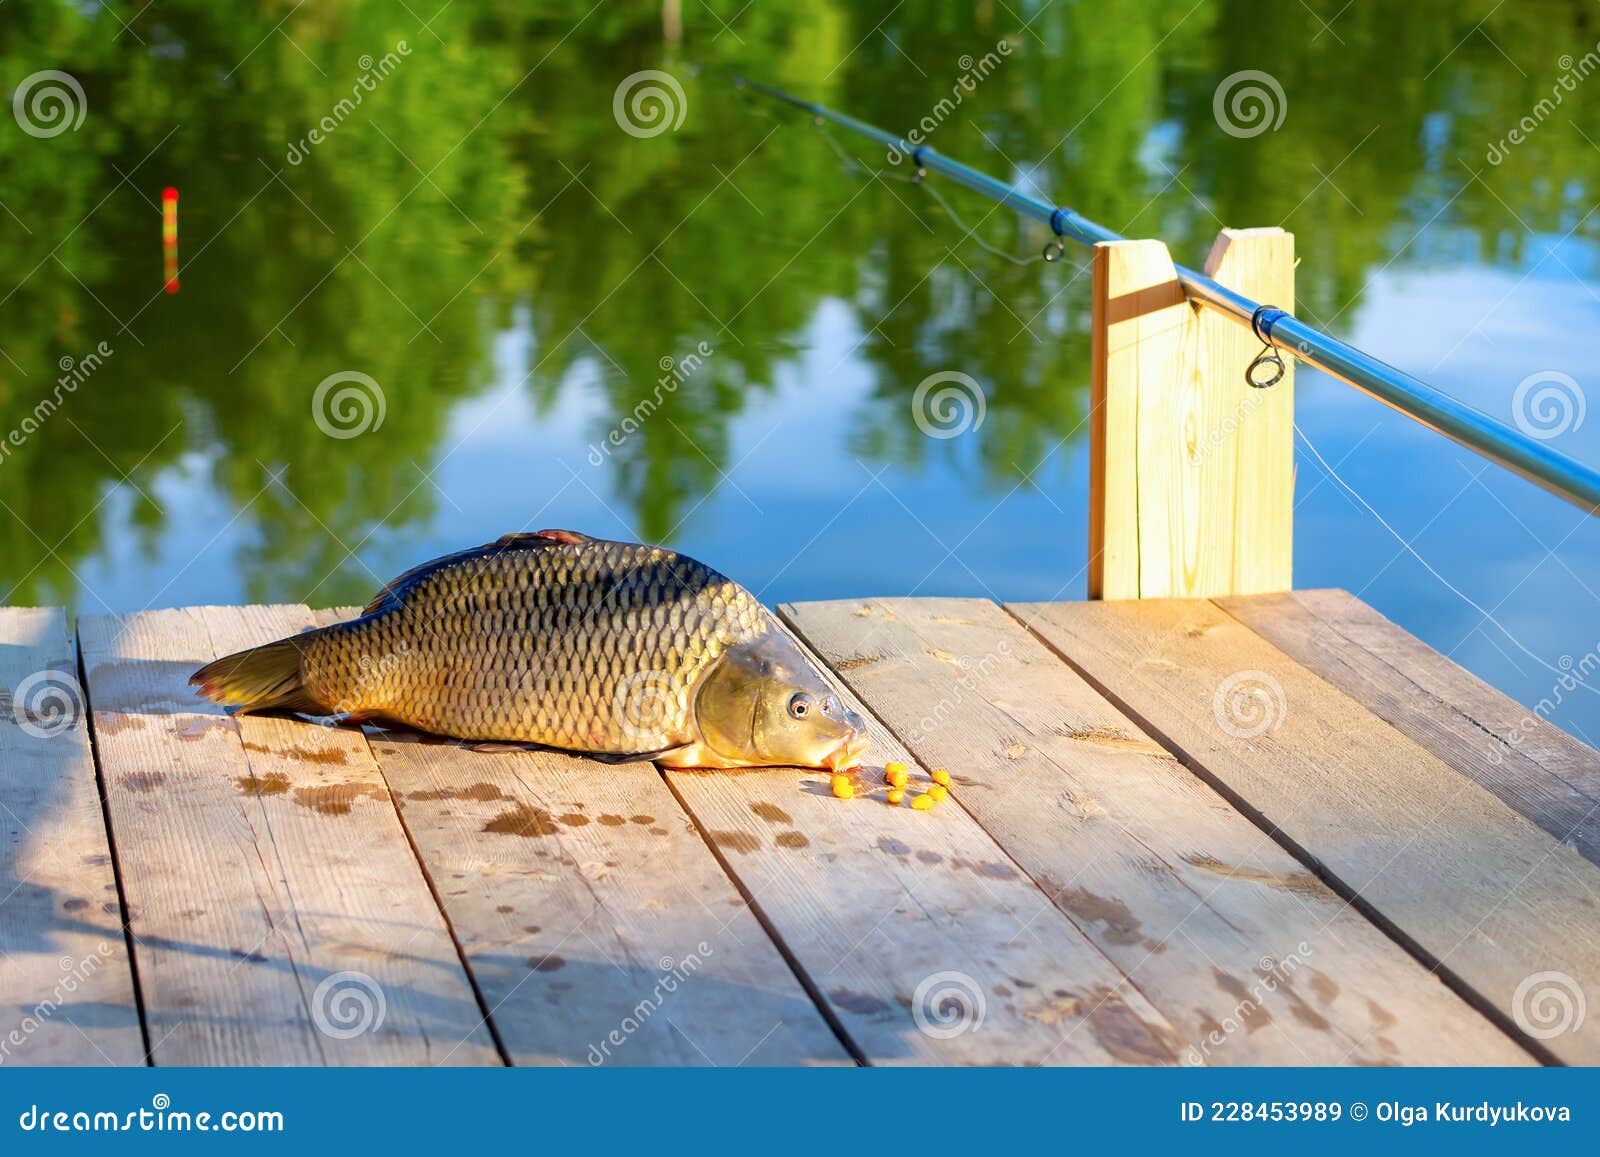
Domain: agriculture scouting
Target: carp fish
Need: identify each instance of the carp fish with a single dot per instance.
(555, 639)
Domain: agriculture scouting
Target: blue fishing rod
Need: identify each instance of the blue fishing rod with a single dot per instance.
(1279, 330)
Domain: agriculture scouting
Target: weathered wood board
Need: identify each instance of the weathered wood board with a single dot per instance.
(598, 927)
(1169, 842)
(1480, 893)
(277, 912)
(66, 991)
(1528, 763)
(1253, 426)
(923, 939)
(1144, 349)
(1227, 934)
(1191, 473)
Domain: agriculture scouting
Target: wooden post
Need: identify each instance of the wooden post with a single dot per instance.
(1191, 478)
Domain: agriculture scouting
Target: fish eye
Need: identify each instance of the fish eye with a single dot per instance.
(800, 705)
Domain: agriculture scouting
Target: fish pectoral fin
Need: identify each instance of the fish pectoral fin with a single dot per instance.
(697, 755)
(628, 756)
(505, 746)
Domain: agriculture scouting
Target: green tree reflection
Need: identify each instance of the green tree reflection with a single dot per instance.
(485, 176)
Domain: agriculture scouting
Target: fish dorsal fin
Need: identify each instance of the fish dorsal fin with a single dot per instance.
(395, 591)
(541, 538)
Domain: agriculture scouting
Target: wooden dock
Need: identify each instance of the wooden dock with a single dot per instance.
(1265, 830)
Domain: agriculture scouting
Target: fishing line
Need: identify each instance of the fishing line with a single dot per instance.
(972, 236)
(855, 165)
(850, 161)
(1451, 587)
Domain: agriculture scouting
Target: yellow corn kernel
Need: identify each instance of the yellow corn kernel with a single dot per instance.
(937, 792)
(922, 802)
(896, 794)
(940, 776)
(896, 765)
(842, 787)
(895, 775)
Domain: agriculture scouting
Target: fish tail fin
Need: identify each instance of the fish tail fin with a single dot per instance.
(259, 679)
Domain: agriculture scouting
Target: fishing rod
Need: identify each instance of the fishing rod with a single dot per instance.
(1466, 425)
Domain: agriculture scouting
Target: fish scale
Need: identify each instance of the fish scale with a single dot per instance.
(589, 644)
(608, 648)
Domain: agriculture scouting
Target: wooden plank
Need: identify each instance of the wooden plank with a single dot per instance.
(68, 995)
(1143, 349)
(1256, 426)
(274, 902)
(1504, 912)
(1513, 751)
(1181, 890)
(597, 925)
(866, 917)
(1191, 481)
(928, 944)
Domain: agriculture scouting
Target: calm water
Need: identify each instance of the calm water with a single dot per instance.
(510, 269)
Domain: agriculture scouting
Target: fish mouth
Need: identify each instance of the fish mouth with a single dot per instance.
(851, 748)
